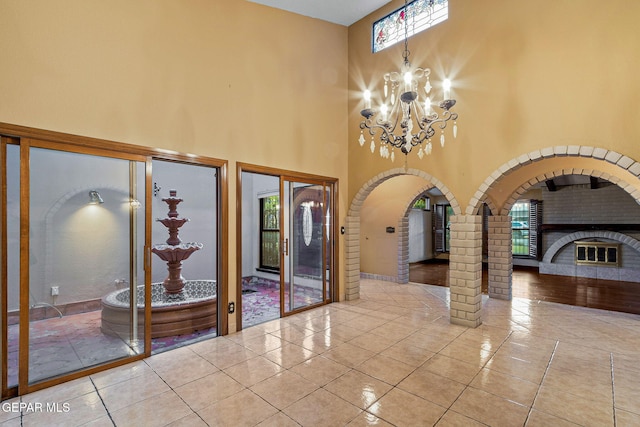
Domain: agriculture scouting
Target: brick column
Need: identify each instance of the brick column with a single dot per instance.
(352, 261)
(465, 270)
(500, 257)
(403, 250)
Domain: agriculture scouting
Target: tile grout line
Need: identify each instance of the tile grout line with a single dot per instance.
(613, 390)
(102, 400)
(466, 386)
(172, 389)
(423, 363)
(353, 368)
(553, 353)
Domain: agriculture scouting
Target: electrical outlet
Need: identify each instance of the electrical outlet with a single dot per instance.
(55, 290)
(232, 307)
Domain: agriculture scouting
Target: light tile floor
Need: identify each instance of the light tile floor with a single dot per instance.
(390, 358)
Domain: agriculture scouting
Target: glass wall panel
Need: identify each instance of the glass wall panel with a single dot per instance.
(185, 254)
(86, 261)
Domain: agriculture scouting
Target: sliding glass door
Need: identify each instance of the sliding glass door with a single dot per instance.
(286, 259)
(192, 313)
(306, 237)
(85, 249)
(79, 251)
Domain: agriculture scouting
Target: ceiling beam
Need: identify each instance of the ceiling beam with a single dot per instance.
(551, 186)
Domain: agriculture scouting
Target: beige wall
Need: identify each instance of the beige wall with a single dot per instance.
(383, 208)
(206, 76)
(527, 75)
(227, 79)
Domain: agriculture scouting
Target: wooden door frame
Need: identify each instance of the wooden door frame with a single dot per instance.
(25, 137)
(292, 175)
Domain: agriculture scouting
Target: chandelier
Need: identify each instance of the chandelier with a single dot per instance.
(406, 118)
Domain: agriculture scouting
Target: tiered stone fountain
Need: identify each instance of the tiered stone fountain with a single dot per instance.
(178, 306)
(174, 252)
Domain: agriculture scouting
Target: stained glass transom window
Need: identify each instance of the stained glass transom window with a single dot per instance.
(420, 15)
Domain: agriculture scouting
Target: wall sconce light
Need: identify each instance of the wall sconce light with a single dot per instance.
(94, 198)
(135, 203)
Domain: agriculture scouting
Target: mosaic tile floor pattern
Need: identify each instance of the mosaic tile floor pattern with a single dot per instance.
(261, 299)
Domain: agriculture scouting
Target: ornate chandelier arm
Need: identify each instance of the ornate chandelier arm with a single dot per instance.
(386, 132)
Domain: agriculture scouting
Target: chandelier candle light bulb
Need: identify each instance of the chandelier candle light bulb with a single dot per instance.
(367, 98)
(406, 122)
(446, 87)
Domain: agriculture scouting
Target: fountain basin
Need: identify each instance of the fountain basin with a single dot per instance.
(176, 253)
(193, 309)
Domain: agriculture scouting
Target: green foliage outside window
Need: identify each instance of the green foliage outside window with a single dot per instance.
(420, 204)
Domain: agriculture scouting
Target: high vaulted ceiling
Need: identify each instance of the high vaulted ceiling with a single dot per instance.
(343, 12)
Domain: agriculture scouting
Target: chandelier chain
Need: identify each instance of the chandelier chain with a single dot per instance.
(406, 52)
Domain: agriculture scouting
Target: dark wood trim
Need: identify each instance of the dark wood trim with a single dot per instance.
(4, 291)
(86, 143)
(238, 312)
(551, 186)
(23, 339)
(592, 227)
(284, 244)
(290, 176)
(335, 295)
(83, 373)
(148, 231)
(223, 250)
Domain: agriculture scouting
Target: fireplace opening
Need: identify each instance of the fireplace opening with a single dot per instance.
(597, 253)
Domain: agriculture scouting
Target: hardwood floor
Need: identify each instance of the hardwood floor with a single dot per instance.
(528, 283)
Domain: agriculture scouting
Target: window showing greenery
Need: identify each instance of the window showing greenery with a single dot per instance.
(525, 217)
(520, 228)
(422, 203)
(270, 233)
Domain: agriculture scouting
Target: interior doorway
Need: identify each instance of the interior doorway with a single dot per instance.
(286, 252)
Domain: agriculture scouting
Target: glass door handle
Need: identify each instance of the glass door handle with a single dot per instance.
(285, 247)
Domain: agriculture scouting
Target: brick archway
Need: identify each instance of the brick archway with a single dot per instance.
(352, 236)
(625, 165)
(625, 175)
